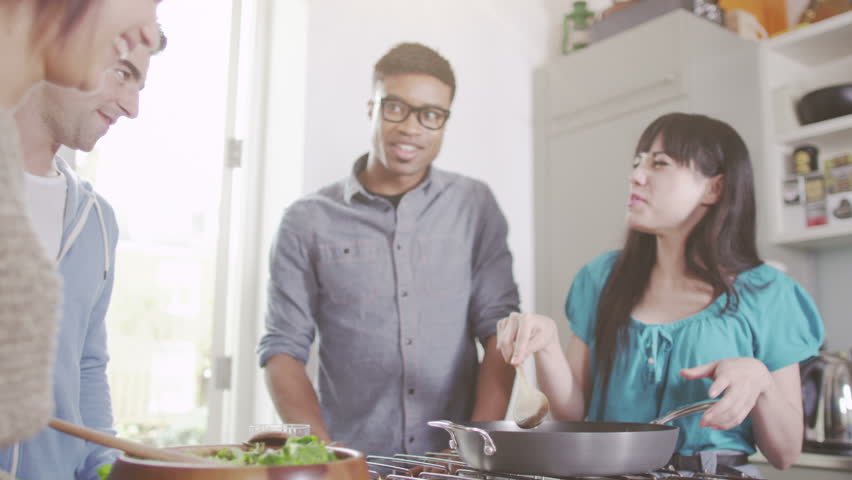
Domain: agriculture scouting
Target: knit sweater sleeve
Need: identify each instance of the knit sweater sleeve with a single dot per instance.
(29, 301)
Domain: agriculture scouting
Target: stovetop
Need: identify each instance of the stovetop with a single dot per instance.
(448, 466)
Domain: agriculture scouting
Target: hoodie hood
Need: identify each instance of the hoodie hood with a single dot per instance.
(81, 199)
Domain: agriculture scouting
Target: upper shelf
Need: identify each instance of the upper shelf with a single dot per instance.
(818, 43)
(817, 238)
(835, 134)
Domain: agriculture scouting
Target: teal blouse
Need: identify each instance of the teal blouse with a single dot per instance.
(775, 322)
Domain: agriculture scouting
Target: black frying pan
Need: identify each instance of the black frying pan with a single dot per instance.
(564, 449)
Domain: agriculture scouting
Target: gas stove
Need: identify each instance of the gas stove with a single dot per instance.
(449, 466)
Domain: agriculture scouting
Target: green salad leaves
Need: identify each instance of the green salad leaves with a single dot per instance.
(103, 471)
(297, 451)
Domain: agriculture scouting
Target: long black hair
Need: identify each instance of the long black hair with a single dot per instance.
(720, 246)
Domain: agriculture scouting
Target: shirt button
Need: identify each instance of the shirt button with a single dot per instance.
(409, 341)
(404, 293)
(410, 439)
(411, 391)
(651, 361)
(398, 246)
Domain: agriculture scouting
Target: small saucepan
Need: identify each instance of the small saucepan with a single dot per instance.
(568, 449)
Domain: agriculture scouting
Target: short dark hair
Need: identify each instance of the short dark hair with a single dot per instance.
(163, 40)
(415, 58)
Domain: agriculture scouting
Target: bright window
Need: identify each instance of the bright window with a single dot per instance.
(162, 173)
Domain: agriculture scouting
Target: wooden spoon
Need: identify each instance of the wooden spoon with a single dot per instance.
(531, 406)
(132, 448)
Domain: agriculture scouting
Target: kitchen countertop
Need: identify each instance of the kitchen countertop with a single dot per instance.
(814, 460)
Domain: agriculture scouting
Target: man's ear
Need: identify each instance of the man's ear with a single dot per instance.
(714, 190)
(370, 105)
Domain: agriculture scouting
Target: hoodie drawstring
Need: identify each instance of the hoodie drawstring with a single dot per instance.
(78, 229)
(104, 236)
(16, 454)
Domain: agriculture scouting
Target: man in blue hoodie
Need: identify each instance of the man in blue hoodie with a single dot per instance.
(78, 227)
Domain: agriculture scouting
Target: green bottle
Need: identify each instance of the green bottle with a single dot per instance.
(575, 28)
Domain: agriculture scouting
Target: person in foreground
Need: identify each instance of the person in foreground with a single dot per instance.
(70, 43)
(686, 311)
(78, 228)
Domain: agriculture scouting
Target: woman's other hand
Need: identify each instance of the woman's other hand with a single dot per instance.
(742, 380)
(521, 334)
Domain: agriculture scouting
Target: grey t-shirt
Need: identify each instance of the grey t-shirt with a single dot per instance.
(398, 297)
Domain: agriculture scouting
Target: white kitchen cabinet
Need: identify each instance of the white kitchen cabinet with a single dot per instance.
(590, 108)
(810, 466)
(804, 473)
(792, 64)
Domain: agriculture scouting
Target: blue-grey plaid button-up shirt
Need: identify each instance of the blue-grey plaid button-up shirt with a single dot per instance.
(398, 296)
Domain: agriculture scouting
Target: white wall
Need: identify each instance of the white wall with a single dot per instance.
(492, 45)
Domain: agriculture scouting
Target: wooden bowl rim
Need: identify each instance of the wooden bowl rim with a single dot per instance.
(348, 455)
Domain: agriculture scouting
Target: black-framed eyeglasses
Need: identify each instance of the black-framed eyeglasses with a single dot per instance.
(397, 111)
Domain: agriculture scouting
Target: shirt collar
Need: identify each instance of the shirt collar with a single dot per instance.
(352, 185)
(434, 182)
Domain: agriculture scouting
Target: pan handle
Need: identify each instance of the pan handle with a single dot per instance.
(489, 448)
(687, 410)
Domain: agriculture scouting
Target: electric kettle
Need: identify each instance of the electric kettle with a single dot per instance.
(827, 397)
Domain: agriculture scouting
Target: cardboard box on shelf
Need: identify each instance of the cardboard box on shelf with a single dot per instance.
(643, 11)
(838, 174)
(815, 204)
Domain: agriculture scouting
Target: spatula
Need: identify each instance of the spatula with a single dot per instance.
(531, 406)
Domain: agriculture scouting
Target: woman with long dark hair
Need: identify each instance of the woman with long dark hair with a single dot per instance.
(685, 311)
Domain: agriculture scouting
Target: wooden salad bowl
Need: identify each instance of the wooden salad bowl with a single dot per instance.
(351, 465)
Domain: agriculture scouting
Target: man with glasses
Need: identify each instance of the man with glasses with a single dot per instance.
(400, 268)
